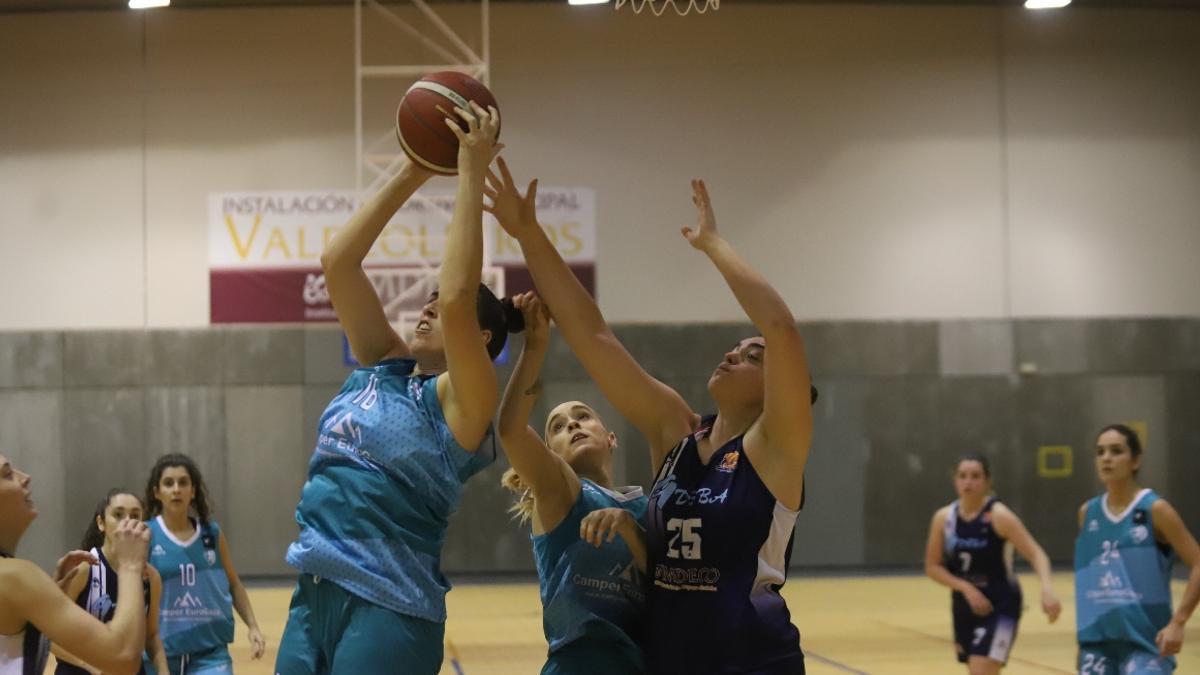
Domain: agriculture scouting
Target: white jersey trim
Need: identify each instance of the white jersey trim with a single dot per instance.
(12, 654)
(622, 494)
(167, 531)
(772, 567)
(1128, 509)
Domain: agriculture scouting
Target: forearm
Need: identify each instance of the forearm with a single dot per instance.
(1191, 596)
(128, 626)
(940, 574)
(351, 246)
(1041, 566)
(575, 311)
(64, 656)
(458, 280)
(241, 603)
(158, 655)
(762, 304)
(635, 538)
(522, 390)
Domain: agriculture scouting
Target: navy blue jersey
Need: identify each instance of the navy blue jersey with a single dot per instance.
(719, 545)
(974, 552)
(99, 598)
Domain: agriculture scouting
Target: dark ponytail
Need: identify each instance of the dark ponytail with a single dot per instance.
(500, 317)
(93, 537)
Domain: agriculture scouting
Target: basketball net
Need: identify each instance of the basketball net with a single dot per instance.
(681, 7)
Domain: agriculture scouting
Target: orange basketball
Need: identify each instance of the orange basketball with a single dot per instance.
(419, 122)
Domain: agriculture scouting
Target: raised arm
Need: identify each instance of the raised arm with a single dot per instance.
(785, 428)
(555, 486)
(115, 647)
(468, 388)
(359, 311)
(1170, 528)
(658, 412)
(935, 567)
(603, 525)
(1010, 527)
(241, 599)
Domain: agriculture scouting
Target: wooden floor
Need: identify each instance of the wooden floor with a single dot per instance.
(893, 625)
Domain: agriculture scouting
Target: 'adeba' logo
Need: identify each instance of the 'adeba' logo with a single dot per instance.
(188, 601)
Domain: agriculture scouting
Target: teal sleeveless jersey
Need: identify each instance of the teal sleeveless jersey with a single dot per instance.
(592, 598)
(382, 483)
(1122, 575)
(196, 608)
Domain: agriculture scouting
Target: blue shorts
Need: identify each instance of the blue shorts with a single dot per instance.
(212, 662)
(1122, 658)
(330, 630)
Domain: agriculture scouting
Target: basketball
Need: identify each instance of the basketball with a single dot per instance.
(424, 136)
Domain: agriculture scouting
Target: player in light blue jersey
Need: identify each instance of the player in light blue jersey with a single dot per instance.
(1127, 539)
(200, 587)
(397, 443)
(591, 582)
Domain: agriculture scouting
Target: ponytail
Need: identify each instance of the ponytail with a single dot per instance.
(522, 508)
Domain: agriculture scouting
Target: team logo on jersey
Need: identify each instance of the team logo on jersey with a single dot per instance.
(728, 462)
(1110, 580)
(1093, 526)
(158, 550)
(1139, 534)
(1139, 516)
(211, 556)
(188, 601)
(345, 427)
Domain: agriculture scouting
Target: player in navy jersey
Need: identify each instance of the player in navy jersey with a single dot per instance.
(201, 588)
(397, 443)
(1127, 540)
(729, 487)
(591, 581)
(96, 585)
(33, 607)
(970, 550)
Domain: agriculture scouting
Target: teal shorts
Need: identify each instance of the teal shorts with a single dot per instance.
(330, 630)
(1122, 658)
(212, 662)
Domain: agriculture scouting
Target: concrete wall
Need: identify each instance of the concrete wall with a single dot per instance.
(900, 401)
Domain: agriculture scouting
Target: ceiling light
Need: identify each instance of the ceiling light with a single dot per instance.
(586, 2)
(147, 4)
(1046, 4)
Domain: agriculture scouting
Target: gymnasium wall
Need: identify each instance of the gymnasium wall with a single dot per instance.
(876, 162)
(941, 195)
(900, 401)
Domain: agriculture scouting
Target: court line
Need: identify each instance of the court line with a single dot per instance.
(945, 640)
(830, 662)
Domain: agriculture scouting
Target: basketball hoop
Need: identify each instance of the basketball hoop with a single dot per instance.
(681, 7)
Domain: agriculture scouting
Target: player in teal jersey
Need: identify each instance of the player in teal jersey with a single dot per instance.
(33, 608)
(201, 588)
(1123, 555)
(591, 583)
(398, 441)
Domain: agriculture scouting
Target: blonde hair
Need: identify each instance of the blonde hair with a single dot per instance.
(522, 509)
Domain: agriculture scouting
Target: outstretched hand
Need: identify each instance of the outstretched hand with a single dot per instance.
(516, 212)
(705, 232)
(477, 145)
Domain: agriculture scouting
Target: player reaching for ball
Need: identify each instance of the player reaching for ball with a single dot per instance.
(397, 442)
